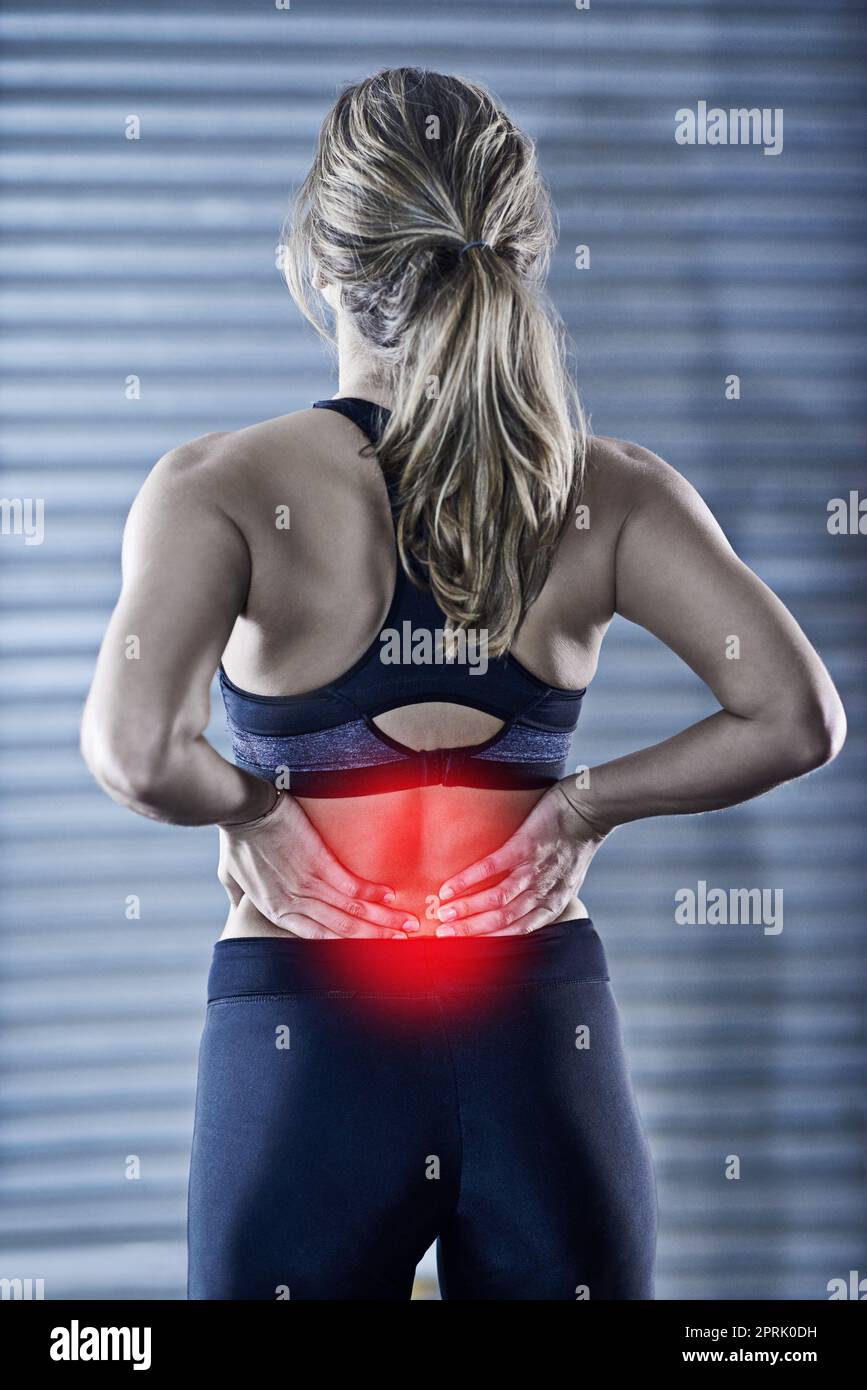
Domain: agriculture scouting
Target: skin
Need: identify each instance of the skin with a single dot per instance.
(207, 574)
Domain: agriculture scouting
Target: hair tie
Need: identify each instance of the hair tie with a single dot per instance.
(470, 244)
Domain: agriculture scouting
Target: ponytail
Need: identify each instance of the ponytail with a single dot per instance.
(440, 247)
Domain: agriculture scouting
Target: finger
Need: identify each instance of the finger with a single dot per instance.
(340, 923)
(489, 899)
(396, 919)
(298, 925)
(511, 919)
(328, 867)
(533, 921)
(233, 888)
(349, 885)
(506, 857)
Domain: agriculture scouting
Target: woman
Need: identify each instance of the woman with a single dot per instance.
(404, 635)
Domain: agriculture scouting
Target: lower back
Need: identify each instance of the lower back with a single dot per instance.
(411, 840)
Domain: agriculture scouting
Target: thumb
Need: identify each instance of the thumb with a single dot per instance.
(233, 888)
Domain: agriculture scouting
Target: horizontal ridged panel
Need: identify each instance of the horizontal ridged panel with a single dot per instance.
(158, 258)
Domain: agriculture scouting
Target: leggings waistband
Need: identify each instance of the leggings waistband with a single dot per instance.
(568, 950)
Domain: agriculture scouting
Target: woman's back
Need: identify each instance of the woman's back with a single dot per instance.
(312, 506)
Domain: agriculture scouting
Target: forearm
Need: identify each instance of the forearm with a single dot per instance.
(188, 784)
(721, 761)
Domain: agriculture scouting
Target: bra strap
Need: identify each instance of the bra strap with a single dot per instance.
(371, 419)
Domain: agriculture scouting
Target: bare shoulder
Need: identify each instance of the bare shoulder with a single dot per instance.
(622, 475)
(628, 490)
(664, 526)
(222, 466)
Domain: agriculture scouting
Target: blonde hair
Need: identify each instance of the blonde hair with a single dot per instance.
(486, 439)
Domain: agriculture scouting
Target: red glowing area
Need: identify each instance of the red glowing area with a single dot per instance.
(426, 969)
(414, 840)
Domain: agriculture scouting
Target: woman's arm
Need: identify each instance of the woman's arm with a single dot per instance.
(186, 571)
(677, 576)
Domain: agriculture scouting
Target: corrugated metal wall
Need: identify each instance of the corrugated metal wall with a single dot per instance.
(155, 258)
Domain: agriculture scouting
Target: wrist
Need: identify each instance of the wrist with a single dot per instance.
(267, 807)
(582, 803)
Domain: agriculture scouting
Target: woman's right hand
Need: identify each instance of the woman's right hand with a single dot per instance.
(282, 864)
(544, 864)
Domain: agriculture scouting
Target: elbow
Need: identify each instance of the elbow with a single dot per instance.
(128, 770)
(128, 780)
(817, 732)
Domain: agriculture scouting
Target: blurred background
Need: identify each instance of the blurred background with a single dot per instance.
(154, 258)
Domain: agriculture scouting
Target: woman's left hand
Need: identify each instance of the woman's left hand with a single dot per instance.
(545, 862)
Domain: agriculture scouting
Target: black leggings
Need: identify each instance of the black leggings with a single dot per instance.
(358, 1100)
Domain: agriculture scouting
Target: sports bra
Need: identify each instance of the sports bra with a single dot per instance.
(325, 743)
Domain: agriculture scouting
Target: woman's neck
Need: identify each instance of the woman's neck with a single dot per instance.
(366, 388)
(358, 372)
